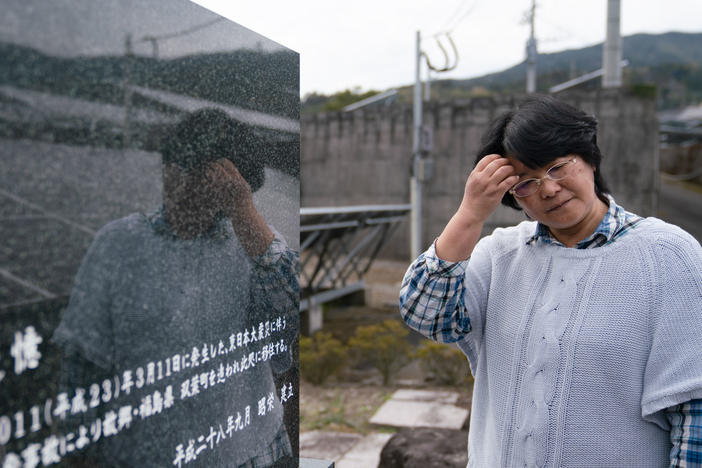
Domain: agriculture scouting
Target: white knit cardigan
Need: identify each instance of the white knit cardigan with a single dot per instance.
(576, 352)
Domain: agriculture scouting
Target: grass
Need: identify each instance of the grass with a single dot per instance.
(340, 408)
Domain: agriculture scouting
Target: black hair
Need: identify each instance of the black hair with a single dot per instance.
(208, 134)
(541, 130)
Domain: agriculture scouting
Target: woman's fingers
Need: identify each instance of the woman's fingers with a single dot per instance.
(485, 161)
(228, 167)
(496, 165)
(232, 179)
(488, 178)
(487, 184)
(502, 173)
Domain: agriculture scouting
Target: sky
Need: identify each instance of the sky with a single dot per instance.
(370, 44)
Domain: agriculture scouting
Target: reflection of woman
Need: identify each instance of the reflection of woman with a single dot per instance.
(190, 279)
(582, 327)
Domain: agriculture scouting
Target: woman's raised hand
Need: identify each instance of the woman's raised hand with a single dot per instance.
(485, 187)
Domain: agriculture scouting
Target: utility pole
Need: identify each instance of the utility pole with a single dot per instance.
(427, 86)
(612, 52)
(531, 54)
(415, 183)
(422, 138)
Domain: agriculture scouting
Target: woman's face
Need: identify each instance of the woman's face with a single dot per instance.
(567, 205)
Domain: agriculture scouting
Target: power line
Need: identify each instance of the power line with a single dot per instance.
(568, 32)
(183, 32)
(464, 16)
(154, 39)
(454, 15)
(457, 17)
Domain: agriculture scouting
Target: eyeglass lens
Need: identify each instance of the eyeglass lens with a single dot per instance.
(557, 172)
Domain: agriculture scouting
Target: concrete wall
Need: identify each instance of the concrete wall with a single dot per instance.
(364, 157)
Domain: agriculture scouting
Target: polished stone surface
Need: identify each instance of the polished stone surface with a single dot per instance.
(149, 152)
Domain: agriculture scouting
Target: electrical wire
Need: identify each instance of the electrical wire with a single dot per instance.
(183, 32)
(154, 39)
(446, 66)
(460, 19)
(567, 32)
(450, 25)
(454, 15)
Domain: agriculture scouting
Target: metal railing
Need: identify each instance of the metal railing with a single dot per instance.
(338, 246)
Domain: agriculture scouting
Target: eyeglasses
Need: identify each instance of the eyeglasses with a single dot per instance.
(556, 172)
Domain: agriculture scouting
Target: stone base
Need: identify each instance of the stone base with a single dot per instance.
(421, 408)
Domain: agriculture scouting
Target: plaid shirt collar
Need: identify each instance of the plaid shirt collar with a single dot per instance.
(615, 222)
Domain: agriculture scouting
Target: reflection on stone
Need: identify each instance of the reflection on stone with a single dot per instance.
(172, 344)
(173, 280)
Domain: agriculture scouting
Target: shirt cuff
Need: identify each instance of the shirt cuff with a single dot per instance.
(439, 267)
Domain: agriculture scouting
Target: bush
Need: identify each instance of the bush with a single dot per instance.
(321, 356)
(384, 346)
(446, 363)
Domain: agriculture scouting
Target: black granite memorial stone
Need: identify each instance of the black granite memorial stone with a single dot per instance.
(149, 218)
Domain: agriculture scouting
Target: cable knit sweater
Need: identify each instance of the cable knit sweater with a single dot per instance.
(576, 353)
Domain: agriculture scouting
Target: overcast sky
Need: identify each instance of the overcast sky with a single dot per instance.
(370, 43)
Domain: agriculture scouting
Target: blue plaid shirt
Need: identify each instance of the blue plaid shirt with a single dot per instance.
(436, 285)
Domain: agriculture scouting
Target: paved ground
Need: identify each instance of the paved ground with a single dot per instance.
(421, 408)
(347, 450)
(406, 408)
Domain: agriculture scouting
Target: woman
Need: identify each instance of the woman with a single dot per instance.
(582, 326)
